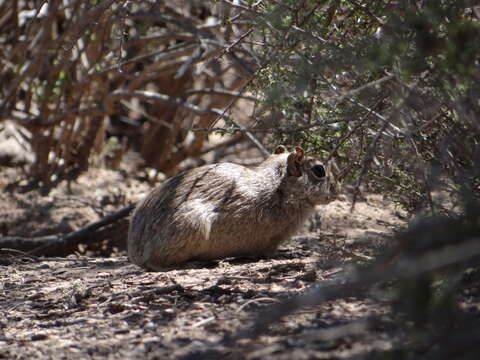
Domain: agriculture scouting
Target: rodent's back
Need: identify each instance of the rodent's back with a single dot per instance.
(205, 203)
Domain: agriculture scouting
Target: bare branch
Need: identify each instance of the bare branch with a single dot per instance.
(74, 238)
(37, 121)
(241, 7)
(220, 92)
(151, 96)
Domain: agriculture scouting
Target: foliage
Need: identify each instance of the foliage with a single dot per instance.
(388, 88)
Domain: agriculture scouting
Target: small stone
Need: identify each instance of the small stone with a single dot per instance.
(309, 276)
(39, 337)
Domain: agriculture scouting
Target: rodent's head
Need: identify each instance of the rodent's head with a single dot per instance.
(307, 178)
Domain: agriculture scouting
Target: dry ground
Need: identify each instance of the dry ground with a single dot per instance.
(97, 307)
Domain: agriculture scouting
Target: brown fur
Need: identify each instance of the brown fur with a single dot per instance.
(224, 210)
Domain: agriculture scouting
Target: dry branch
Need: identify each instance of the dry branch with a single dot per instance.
(151, 96)
(235, 94)
(57, 245)
(65, 63)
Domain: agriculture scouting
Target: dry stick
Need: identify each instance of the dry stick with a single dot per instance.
(272, 129)
(253, 301)
(242, 12)
(75, 237)
(37, 121)
(255, 141)
(248, 134)
(153, 96)
(187, 25)
(426, 181)
(210, 91)
(16, 253)
(166, 68)
(234, 129)
(378, 20)
(148, 95)
(124, 30)
(160, 56)
(358, 282)
(165, 38)
(192, 59)
(161, 97)
(30, 67)
(227, 50)
(232, 141)
(310, 13)
(203, 38)
(87, 18)
(351, 132)
(366, 86)
(349, 98)
(347, 169)
(243, 8)
(369, 156)
(366, 164)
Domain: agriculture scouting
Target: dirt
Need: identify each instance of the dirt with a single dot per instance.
(83, 306)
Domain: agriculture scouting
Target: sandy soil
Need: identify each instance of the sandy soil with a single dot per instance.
(104, 307)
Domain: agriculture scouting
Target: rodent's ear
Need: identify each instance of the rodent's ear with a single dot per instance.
(280, 150)
(299, 153)
(294, 167)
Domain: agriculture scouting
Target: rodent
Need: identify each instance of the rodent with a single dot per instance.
(226, 210)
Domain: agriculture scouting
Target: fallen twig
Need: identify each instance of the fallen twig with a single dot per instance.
(55, 244)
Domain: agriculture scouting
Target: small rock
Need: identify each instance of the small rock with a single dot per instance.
(309, 276)
(38, 337)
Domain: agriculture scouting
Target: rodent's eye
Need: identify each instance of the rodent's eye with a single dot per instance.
(318, 171)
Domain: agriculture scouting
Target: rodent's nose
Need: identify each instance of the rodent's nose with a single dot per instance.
(318, 171)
